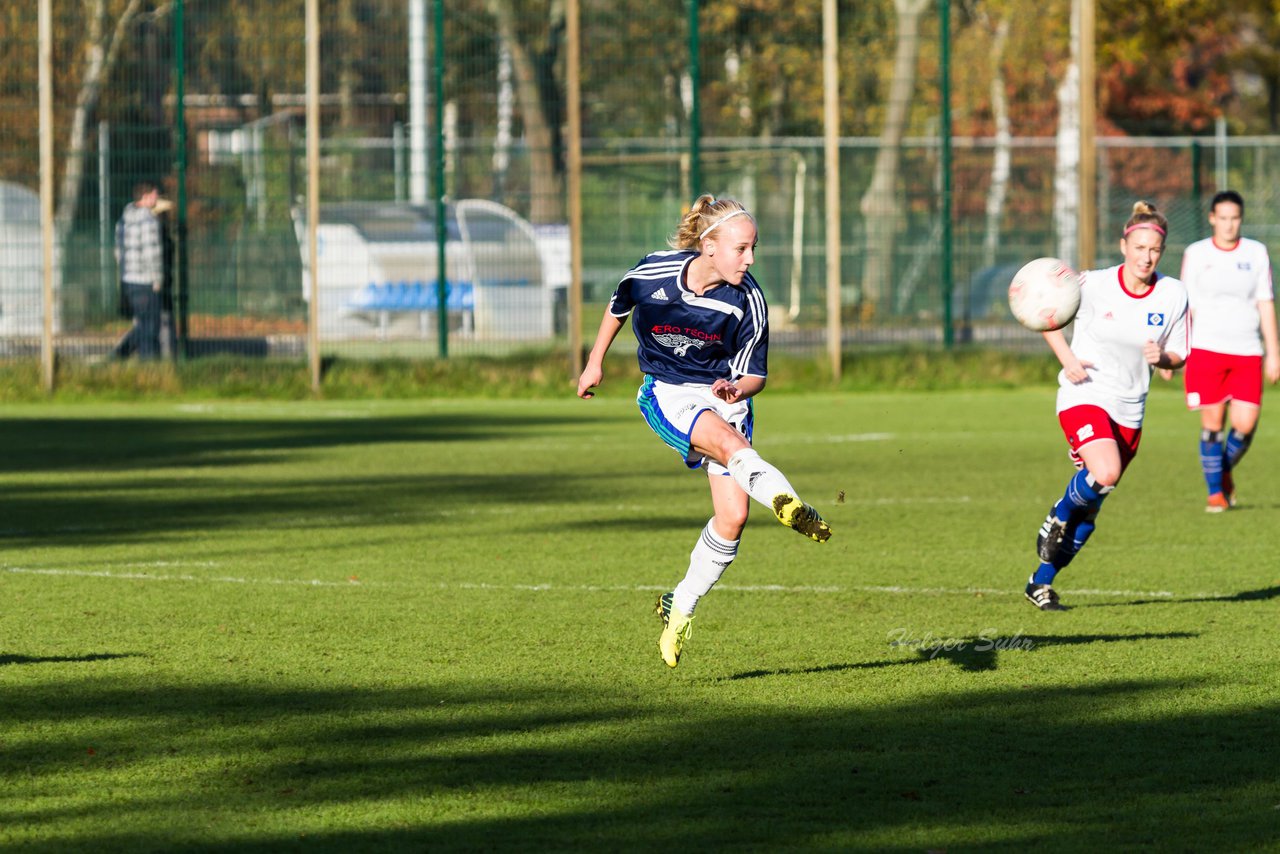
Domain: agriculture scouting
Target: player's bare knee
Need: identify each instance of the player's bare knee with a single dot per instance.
(731, 522)
(731, 442)
(1105, 477)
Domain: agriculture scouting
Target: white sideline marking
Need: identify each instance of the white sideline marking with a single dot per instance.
(892, 589)
(953, 499)
(151, 576)
(834, 440)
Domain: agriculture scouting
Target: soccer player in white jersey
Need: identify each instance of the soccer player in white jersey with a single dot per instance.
(701, 327)
(1233, 342)
(1131, 320)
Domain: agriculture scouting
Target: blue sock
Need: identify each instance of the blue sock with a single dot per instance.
(1212, 459)
(1076, 536)
(1082, 492)
(1237, 444)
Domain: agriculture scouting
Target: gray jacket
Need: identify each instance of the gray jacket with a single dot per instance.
(139, 250)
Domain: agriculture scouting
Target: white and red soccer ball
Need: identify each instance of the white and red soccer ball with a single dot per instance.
(1045, 294)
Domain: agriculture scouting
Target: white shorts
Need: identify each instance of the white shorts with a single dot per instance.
(672, 410)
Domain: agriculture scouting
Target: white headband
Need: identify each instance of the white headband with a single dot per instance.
(716, 224)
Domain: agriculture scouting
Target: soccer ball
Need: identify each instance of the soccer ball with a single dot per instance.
(1045, 294)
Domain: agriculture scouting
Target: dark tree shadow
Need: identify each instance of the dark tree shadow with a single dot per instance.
(147, 444)
(972, 654)
(60, 659)
(1262, 595)
(482, 767)
(145, 464)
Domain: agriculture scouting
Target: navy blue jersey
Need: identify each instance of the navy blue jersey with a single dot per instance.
(686, 338)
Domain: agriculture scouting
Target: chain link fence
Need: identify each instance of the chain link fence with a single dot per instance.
(207, 99)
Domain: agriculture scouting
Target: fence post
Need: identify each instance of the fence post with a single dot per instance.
(106, 269)
(1195, 173)
(831, 156)
(45, 63)
(442, 285)
(948, 286)
(573, 129)
(695, 108)
(1088, 227)
(181, 284)
(313, 189)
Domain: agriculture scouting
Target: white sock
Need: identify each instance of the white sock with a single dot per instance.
(758, 478)
(707, 562)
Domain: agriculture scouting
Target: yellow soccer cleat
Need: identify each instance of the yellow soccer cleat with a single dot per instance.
(676, 628)
(794, 513)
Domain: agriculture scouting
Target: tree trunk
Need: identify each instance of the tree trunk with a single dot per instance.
(546, 202)
(101, 51)
(881, 205)
(1002, 156)
(1066, 176)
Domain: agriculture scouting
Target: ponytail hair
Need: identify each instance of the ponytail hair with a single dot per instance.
(703, 218)
(1145, 215)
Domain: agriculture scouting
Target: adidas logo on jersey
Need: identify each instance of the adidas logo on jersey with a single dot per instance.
(661, 293)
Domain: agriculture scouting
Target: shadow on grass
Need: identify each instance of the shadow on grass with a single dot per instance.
(153, 478)
(118, 444)
(259, 769)
(148, 508)
(973, 654)
(1262, 595)
(60, 659)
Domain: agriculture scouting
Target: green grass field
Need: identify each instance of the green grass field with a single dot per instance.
(427, 625)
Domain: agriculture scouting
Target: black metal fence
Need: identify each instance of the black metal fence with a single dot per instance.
(206, 97)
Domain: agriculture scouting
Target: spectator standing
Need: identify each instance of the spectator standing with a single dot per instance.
(140, 258)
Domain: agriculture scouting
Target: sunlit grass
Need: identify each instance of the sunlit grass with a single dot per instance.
(427, 625)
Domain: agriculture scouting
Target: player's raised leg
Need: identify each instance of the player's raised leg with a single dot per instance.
(758, 478)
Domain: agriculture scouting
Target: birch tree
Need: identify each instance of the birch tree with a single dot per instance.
(1066, 184)
(106, 31)
(881, 205)
(536, 100)
(1001, 157)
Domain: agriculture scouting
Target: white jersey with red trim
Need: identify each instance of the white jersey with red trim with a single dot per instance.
(1110, 330)
(1225, 287)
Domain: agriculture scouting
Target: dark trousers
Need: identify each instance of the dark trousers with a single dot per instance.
(143, 337)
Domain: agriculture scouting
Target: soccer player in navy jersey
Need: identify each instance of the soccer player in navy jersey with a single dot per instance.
(1131, 320)
(702, 331)
(1234, 344)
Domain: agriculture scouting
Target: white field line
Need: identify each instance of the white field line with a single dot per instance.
(892, 590)
(834, 439)
(197, 579)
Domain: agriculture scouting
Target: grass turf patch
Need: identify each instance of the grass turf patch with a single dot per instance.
(532, 374)
(426, 624)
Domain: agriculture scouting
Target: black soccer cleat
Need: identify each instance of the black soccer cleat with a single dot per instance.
(1043, 597)
(1049, 540)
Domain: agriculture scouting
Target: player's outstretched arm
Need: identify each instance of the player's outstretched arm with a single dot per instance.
(593, 373)
(1074, 369)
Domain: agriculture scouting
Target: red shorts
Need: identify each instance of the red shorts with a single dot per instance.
(1212, 378)
(1084, 424)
